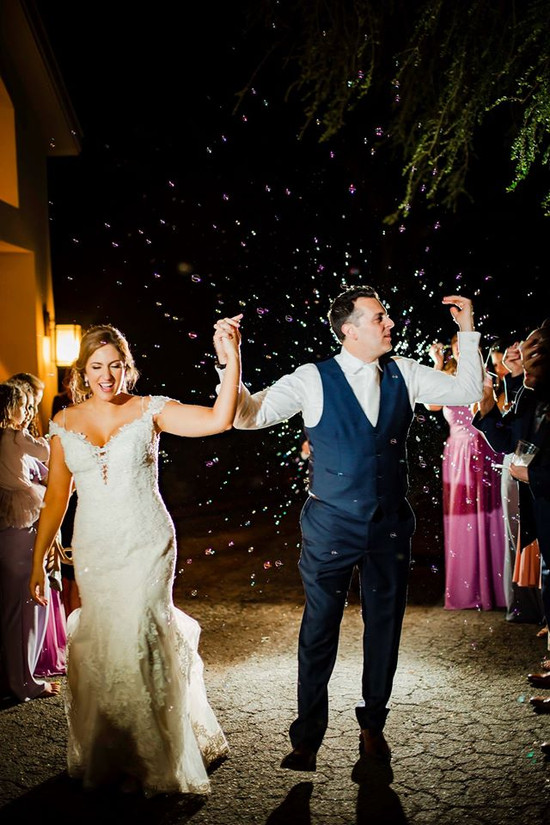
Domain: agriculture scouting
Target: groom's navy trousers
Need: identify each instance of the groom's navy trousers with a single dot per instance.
(357, 515)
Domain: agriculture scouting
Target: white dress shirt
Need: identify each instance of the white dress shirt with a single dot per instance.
(302, 390)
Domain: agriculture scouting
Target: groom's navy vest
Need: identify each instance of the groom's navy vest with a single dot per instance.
(354, 466)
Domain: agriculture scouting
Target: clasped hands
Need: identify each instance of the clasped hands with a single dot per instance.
(227, 337)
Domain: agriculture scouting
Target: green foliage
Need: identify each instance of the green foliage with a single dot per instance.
(434, 70)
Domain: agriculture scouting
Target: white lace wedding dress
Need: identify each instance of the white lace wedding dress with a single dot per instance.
(136, 701)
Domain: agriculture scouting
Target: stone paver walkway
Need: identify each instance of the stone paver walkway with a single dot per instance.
(466, 743)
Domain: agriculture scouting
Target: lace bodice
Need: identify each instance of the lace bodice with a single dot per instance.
(102, 471)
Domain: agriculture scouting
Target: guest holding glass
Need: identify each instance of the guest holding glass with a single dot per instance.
(528, 421)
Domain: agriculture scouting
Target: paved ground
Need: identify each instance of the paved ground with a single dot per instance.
(465, 740)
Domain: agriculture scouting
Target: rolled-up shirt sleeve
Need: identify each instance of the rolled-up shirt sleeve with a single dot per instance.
(429, 386)
(302, 391)
(288, 396)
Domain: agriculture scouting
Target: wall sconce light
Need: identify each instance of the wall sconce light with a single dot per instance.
(67, 343)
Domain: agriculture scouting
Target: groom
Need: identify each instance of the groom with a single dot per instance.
(357, 408)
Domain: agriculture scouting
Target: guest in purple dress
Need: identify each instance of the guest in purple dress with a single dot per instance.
(473, 525)
(53, 655)
(52, 658)
(22, 621)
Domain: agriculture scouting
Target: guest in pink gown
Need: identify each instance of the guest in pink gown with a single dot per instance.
(473, 525)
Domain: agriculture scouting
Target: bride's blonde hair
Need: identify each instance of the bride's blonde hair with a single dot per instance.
(94, 338)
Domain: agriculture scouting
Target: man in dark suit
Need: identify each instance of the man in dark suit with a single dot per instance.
(357, 408)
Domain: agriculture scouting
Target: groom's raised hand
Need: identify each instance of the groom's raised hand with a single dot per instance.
(462, 311)
(226, 330)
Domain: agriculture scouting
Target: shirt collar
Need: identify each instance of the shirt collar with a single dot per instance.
(352, 365)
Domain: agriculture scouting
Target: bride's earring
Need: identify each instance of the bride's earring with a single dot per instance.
(86, 382)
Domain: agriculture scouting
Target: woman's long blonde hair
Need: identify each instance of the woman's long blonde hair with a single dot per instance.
(94, 338)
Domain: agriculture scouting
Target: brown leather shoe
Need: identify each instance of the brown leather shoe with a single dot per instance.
(540, 704)
(374, 744)
(301, 758)
(540, 680)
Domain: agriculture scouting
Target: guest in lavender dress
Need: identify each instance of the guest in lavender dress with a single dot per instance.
(22, 622)
(473, 525)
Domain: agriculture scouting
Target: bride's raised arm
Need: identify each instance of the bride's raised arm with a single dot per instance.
(192, 420)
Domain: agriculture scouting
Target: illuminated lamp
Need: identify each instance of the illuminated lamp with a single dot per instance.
(67, 343)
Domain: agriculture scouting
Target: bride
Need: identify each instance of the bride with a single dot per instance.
(136, 703)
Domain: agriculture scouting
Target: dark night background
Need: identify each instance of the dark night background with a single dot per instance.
(183, 206)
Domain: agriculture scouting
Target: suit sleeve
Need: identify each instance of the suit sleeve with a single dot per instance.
(501, 431)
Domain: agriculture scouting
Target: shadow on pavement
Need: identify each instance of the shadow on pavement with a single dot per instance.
(66, 803)
(377, 803)
(294, 808)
